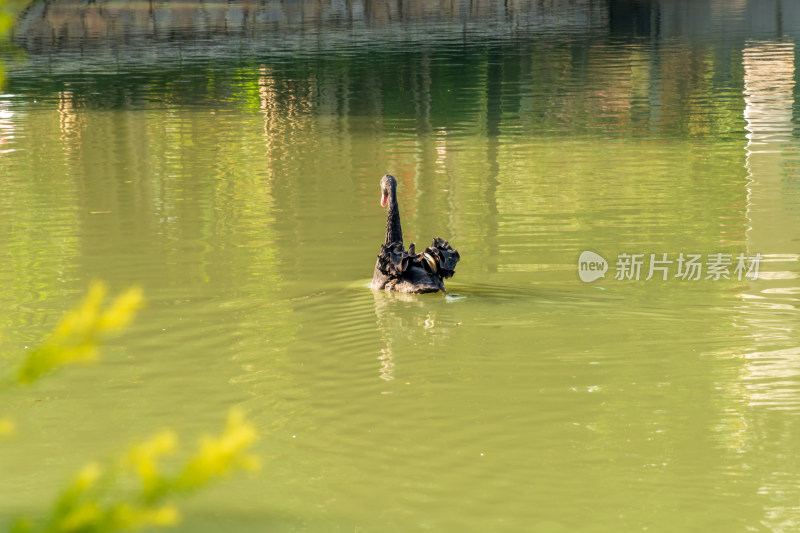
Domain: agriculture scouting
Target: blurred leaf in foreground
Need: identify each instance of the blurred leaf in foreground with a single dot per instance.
(75, 338)
(6, 426)
(135, 491)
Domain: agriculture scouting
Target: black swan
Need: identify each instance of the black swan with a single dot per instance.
(402, 270)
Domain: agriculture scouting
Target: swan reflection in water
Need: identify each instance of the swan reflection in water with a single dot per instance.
(408, 325)
(404, 319)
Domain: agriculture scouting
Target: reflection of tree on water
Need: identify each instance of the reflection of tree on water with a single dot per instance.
(408, 324)
(494, 91)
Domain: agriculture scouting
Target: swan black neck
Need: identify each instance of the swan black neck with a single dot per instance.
(394, 233)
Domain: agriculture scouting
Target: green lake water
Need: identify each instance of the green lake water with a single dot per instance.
(226, 158)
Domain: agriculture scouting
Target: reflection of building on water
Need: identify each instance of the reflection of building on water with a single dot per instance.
(772, 159)
(6, 127)
(70, 118)
(268, 103)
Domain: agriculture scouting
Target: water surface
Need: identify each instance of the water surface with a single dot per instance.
(226, 157)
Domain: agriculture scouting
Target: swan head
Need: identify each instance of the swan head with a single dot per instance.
(388, 188)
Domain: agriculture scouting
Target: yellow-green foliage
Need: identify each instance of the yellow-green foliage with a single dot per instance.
(8, 12)
(76, 337)
(135, 492)
(6, 19)
(6, 426)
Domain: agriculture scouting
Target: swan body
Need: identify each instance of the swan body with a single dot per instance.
(401, 270)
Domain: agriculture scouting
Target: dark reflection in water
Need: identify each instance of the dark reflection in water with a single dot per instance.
(587, 67)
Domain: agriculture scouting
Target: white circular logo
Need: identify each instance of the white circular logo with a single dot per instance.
(591, 266)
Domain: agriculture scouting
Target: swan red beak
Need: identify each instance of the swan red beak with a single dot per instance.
(383, 199)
